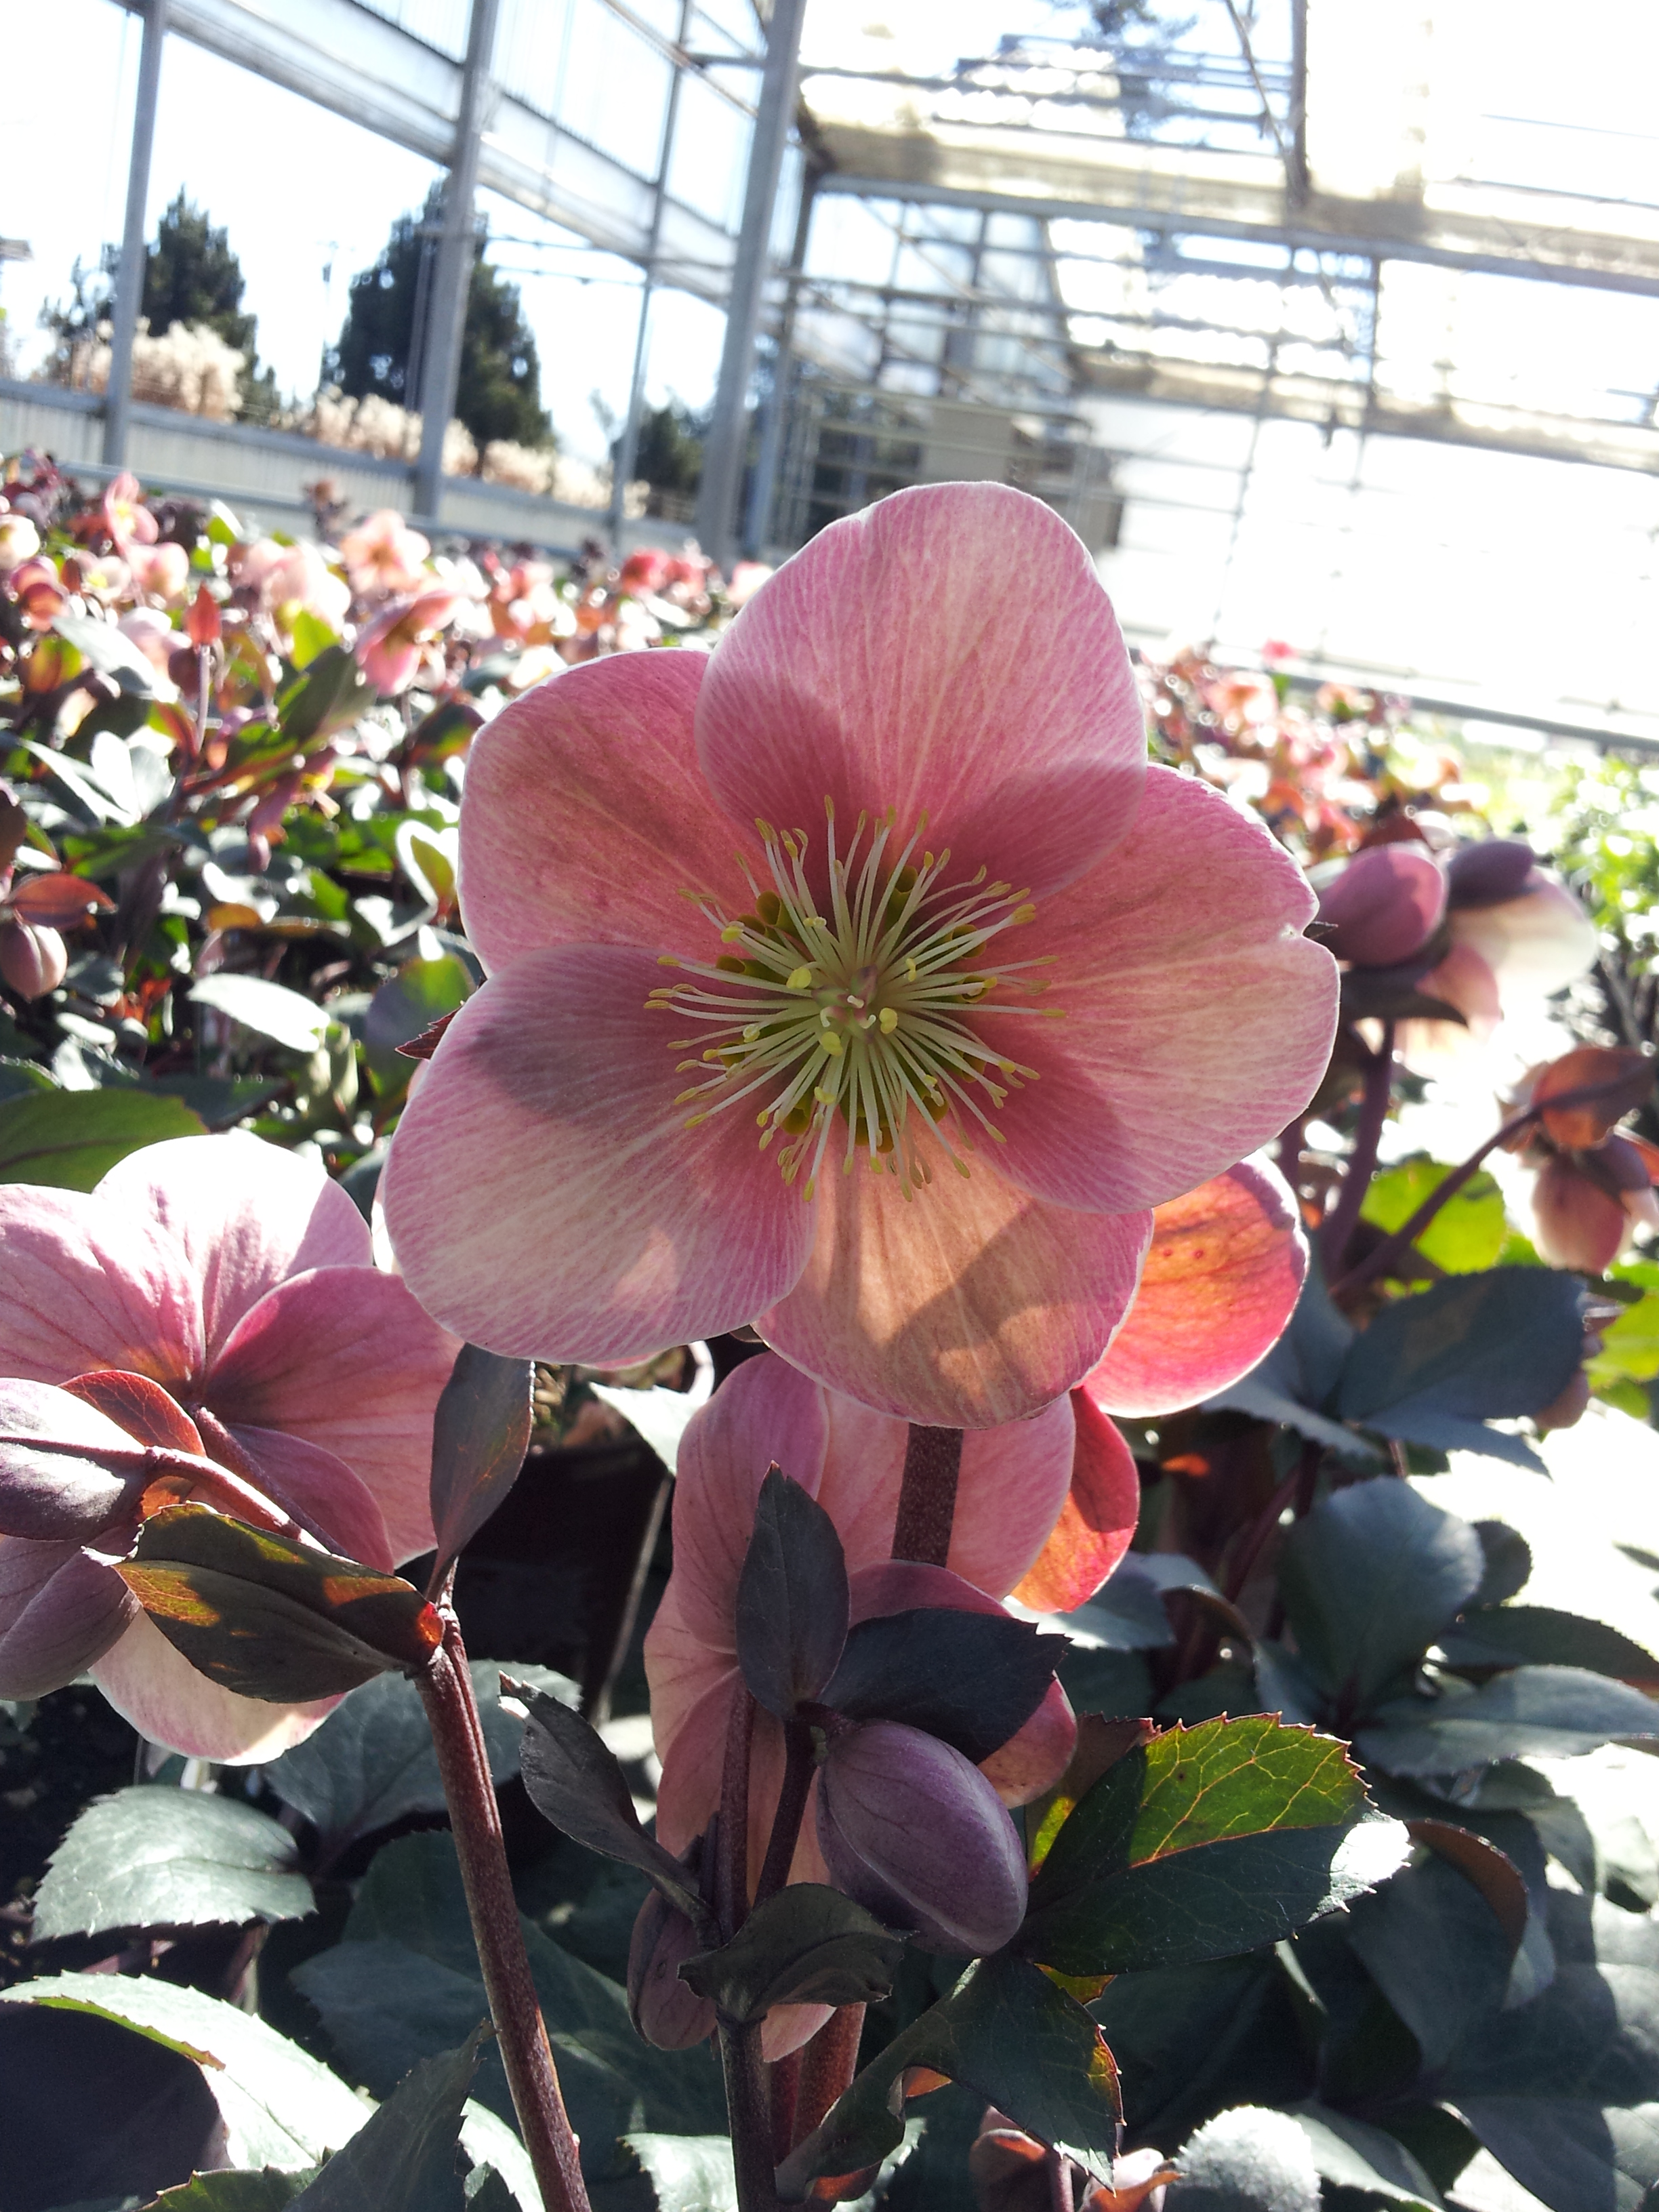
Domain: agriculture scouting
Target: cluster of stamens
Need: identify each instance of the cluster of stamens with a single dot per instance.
(856, 1020)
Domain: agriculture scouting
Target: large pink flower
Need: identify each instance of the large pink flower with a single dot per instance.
(240, 1278)
(961, 988)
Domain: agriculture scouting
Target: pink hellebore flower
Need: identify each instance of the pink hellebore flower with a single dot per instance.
(163, 571)
(977, 990)
(289, 579)
(129, 522)
(1595, 1185)
(384, 555)
(240, 1279)
(392, 647)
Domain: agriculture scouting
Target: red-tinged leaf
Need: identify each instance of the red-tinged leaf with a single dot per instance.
(1493, 1873)
(1096, 1521)
(1620, 1079)
(271, 1619)
(480, 1434)
(58, 901)
(424, 1047)
(140, 1406)
(202, 624)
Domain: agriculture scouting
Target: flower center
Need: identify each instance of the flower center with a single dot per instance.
(842, 1027)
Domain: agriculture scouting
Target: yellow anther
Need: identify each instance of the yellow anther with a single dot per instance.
(825, 1098)
(731, 932)
(889, 1020)
(831, 1044)
(1021, 915)
(797, 979)
(666, 960)
(693, 1121)
(751, 1032)
(767, 833)
(962, 1169)
(911, 971)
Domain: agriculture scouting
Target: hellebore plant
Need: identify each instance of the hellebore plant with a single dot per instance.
(1595, 1181)
(859, 981)
(235, 1280)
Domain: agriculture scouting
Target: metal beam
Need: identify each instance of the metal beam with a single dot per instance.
(358, 66)
(1146, 188)
(129, 270)
(458, 250)
(723, 449)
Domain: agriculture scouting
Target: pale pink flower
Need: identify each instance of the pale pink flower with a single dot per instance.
(240, 1278)
(129, 522)
(1012, 1485)
(977, 992)
(20, 541)
(1516, 934)
(383, 554)
(747, 578)
(163, 571)
(289, 579)
(148, 628)
(393, 648)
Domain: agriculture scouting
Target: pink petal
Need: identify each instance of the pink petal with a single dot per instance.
(968, 1305)
(59, 1611)
(587, 1222)
(67, 1473)
(1097, 1521)
(1578, 1224)
(587, 814)
(1536, 944)
(345, 1358)
(84, 1283)
(1197, 1019)
(1383, 906)
(150, 1685)
(949, 652)
(1222, 1276)
(246, 1214)
(316, 1488)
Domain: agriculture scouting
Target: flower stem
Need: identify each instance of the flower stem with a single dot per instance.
(799, 1768)
(828, 2065)
(1338, 1227)
(445, 1688)
(748, 2108)
(1406, 1235)
(928, 1495)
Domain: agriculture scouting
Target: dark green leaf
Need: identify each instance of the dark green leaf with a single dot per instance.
(269, 2189)
(72, 1140)
(807, 1945)
(372, 1761)
(399, 1988)
(1509, 1562)
(20, 1077)
(169, 1859)
(972, 1679)
(1565, 2091)
(792, 1606)
(404, 2159)
(574, 1781)
(1350, 2154)
(108, 649)
(270, 1618)
(1297, 1380)
(480, 1434)
(332, 694)
(1125, 1614)
(1433, 1368)
(1434, 1946)
(421, 992)
(1551, 1711)
(1520, 1635)
(1004, 2031)
(1191, 2039)
(279, 2106)
(1369, 1580)
(1206, 1842)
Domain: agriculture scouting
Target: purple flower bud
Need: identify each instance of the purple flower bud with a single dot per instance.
(32, 958)
(1385, 906)
(914, 1832)
(666, 2011)
(1490, 872)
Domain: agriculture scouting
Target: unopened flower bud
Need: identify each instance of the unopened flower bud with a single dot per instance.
(1490, 872)
(914, 1832)
(1385, 906)
(666, 2011)
(32, 958)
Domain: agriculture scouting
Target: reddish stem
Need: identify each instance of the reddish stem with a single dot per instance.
(928, 1495)
(828, 2065)
(445, 1688)
(1340, 1225)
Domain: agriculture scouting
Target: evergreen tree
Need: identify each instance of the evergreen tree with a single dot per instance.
(499, 391)
(670, 455)
(191, 277)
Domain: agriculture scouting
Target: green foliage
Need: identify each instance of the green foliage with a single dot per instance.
(670, 452)
(499, 393)
(1467, 1234)
(154, 1857)
(69, 1139)
(192, 277)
